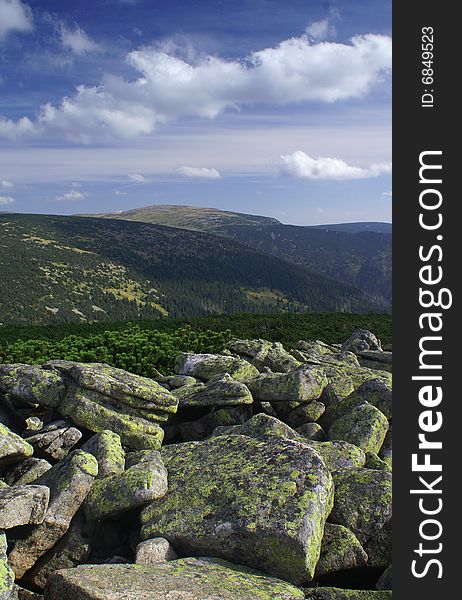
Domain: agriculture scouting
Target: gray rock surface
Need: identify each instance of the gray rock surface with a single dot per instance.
(185, 579)
(23, 505)
(262, 502)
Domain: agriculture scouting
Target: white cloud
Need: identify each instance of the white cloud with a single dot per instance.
(6, 184)
(169, 87)
(72, 195)
(5, 200)
(323, 29)
(14, 16)
(199, 172)
(299, 164)
(388, 194)
(320, 30)
(120, 193)
(77, 40)
(138, 178)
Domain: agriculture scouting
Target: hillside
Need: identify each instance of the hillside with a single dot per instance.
(354, 253)
(188, 217)
(74, 269)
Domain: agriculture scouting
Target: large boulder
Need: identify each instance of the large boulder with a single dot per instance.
(362, 501)
(188, 579)
(221, 390)
(27, 471)
(107, 448)
(340, 550)
(301, 385)
(69, 481)
(206, 366)
(138, 485)
(365, 426)
(133, 391)
(361, 340)
(32, 384)
(12, 447)
(23, 505)
(96, 412)
(262, 502)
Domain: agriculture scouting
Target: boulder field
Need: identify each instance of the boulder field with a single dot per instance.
(259, 473)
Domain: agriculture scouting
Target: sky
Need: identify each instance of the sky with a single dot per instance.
(260, 106)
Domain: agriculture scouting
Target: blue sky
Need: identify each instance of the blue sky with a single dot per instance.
(260, 106)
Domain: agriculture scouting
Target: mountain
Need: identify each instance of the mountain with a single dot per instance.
(357, 227)
(353, 253)
(77, 269)
(188, 217)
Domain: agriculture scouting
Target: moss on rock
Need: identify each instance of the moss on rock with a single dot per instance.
(262, 502)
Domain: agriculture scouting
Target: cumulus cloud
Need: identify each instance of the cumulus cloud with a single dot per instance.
(169, 87)
(72, 195)
(301, 165)
(138, 178)
(388, 194)
(199, 172)
(5, 200)
(77, 40)
(6, 184)
(14, 16)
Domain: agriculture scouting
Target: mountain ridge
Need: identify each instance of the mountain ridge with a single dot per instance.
(80, 269)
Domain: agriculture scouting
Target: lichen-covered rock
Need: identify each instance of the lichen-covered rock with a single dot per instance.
(27, 471)
(220, 390)
(91, 410)
(73, 549)
(262, 353)
(361, 340)
(260, 426)
(138, 485)
(305, 413)
(129, 389)
(365, 426)
(33, 384)
(206, 366)
(379, 547)
(312, 431)
(301, 385)
(12, 447)
(262, 502)
(55, 440)
(340, 550)
(378, 393)
(154, 551)
(330, 593)
(187, 578)
(6, 573)
(107, 448)
(69, 481)
(336, 455)
(23, 505)
(385, 581)
(362, 501)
